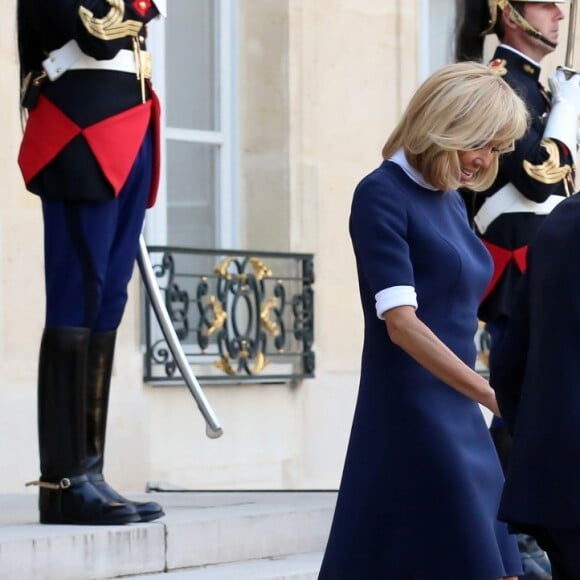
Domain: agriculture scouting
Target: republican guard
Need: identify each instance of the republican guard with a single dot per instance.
(90, 152)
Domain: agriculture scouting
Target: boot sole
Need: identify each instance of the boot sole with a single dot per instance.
(150, 517)
(103, 521)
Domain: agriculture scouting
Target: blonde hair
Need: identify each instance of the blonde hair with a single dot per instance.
(462, 107)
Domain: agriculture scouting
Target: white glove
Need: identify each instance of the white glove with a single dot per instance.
(563, 119)
(566, 87)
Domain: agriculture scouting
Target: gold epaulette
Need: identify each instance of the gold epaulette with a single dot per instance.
(113, 25)
(498, 66)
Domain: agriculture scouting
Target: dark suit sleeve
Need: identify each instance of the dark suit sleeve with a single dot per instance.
(509, 359)
(101, 27)
(573, 281)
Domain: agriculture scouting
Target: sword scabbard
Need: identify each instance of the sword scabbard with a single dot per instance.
(213, 427)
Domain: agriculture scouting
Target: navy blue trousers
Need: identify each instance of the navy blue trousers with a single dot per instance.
(90, 250)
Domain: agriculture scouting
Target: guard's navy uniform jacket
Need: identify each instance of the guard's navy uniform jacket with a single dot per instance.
(83, 134)
(537, 168)
(535, 374)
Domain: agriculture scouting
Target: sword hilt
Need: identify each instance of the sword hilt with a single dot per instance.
(568, 72)
(569, 59)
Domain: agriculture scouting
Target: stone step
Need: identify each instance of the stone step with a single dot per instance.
(200, 529)
(294, 567)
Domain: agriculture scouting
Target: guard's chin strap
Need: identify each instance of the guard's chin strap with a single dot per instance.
(516, 18)
(536, 34)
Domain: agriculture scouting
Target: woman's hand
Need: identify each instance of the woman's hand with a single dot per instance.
(492, 405)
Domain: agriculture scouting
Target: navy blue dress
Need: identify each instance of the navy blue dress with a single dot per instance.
(421, 482)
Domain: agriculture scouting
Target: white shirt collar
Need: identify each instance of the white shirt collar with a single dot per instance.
(400, 159)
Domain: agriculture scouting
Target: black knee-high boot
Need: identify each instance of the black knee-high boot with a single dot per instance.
(99, 369)
(66, 496)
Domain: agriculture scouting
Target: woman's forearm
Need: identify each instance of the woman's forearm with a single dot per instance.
(419, 342)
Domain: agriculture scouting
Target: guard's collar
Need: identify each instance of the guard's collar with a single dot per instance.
(519, 61)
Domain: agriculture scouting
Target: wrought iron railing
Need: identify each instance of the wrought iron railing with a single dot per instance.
(240, 316)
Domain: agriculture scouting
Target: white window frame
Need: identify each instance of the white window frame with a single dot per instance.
(427, 31)
(226, 139)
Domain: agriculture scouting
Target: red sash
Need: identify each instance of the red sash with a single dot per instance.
(501, 258)
(115, 141)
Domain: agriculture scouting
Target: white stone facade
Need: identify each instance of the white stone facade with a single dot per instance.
(321, 85)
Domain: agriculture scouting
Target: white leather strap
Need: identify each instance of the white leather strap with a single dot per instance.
(71, 57)
(509, 200)
(161, 5)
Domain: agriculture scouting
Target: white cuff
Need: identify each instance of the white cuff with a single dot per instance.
(395, 296)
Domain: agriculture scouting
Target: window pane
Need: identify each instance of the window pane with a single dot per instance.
(190, 66)
(191, 194)
(441, 33)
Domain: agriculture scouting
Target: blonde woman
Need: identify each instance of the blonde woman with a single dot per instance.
(422, 481)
